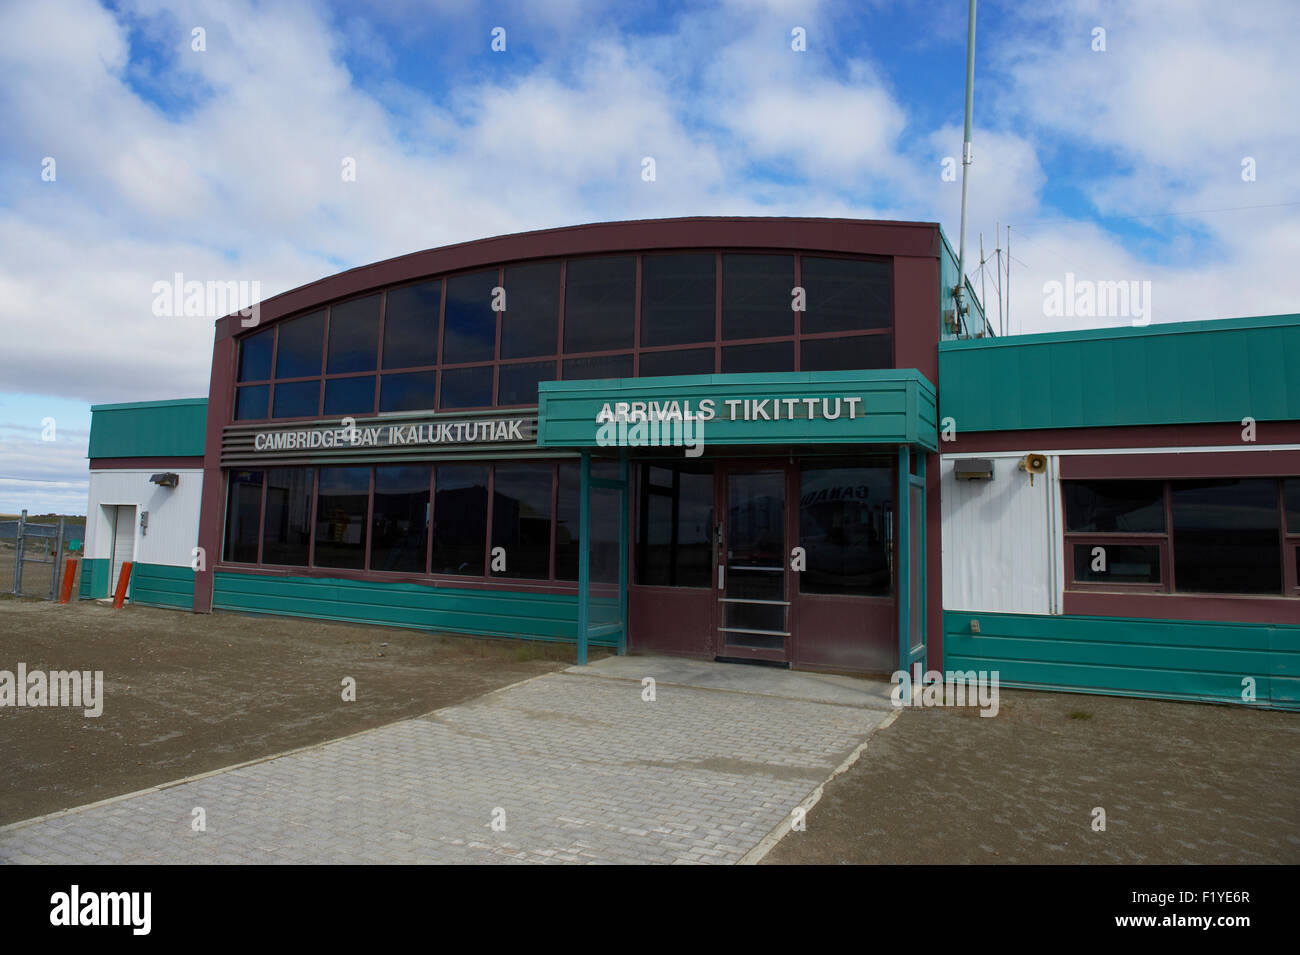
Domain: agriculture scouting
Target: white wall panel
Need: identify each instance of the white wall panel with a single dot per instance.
(1001, 552)
(173, 530)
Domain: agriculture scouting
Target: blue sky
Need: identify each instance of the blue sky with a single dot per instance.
(224, 163)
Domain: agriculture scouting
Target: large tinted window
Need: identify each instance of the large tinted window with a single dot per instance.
(243, 512)
(411, 325)
(469, 324)
(466, 387)
(1096, 563)
(678, 361)
(1226, 536)
(399, 531)
(459, 519)
(599, 303)
(768, 356)
(845, 295)
(297, 399)
(414, 391)
(678, 295)
(843, 354)
(521, 519)
(298, 351)
(255, 356)
(675, 525)
(599, 366)
(603, 533)
(344, 396)
(530, 324)
(517, 384)
(286, 536)
(1124, 507)
(844, 528)
(756, 296)
(354, 336)
(341, 517)
(1291, 492)
(250, 402)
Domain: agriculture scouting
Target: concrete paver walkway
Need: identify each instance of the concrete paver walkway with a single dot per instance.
(576, 764)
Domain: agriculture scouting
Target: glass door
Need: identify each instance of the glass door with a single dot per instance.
(753, 598)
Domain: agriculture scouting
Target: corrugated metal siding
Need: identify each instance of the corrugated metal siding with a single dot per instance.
(94, 578)
(162, 586)
(173, 515)
(1121, 656)
(999, 539)
(149, 429)
(1177, 373)
(502, 613)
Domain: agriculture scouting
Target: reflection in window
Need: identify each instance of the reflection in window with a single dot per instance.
(466, 387)
(414, 391)
(844, 528)
(530, 323)
(769, 356)
(298, 352)
(341, 517)
(679, 361)
(1127, 507)
(353, 336)
(297, 399)
(250, 402)
(599, 303)
(604, 557)
(344, 396)
(599, 366)
(845, 295)
(459, 519)
(1117, 563)
(411, 325)
(846, 354)
(255, 356)
(518, 382)
(286, 536)
(399, 525)
(469, 324)
(675, 525)
(678, 295)
(243, 512)
(1226, 536)
(757, 296)
(521, 519)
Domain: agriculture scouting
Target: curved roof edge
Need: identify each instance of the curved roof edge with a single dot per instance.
(859, 236)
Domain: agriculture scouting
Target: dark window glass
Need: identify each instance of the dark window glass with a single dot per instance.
(459, 519)
(411, 325)
(469, 324)
(1126, 507)
(844, 528)
(678, 295)
(466, 387)
(243, 511)
(1225, 536)
(255, 356)
(518, 383)
(601, 366)
(1291, 492)
(354, 336)
(603, 533)
(414, 391)
(530, 323)
(298, 352)
(770, 356)
(297, 399)
(341, 517)
(599, 303)
(1100, 563)
(757, 296)
(521, 519)
(845, 295)
(674, 537)
(350, 395)
(286, 536)
(844, 354)
(688, 361)
(399, 527)
(250, 402)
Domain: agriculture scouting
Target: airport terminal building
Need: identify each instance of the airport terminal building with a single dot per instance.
(752, 439)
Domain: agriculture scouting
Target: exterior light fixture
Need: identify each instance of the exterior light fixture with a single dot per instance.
(166, 479)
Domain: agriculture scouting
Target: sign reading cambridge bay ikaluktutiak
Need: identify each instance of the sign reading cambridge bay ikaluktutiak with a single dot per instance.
(482, 431)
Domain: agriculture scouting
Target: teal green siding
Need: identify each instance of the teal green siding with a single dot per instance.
(498, 613)
(1176, 373)
(149, 429)
(162, 586)
(898, 407)
(975, 321)
(94, 578)
(1170, 659)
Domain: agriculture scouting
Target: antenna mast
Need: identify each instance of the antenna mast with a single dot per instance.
(959, 294)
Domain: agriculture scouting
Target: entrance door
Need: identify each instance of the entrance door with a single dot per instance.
(753, 606)
(123, 543)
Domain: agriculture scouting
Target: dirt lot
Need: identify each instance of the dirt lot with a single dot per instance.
(1180, 783)
(187, 693)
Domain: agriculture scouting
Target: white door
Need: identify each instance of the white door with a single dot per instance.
(123, 544)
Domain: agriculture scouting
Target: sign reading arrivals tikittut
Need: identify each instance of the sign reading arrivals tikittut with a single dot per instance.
(399, 434)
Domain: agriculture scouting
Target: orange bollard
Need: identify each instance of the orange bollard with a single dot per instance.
(69, 574)
(122, 580)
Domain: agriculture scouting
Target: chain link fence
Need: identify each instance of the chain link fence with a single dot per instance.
(33, 554)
